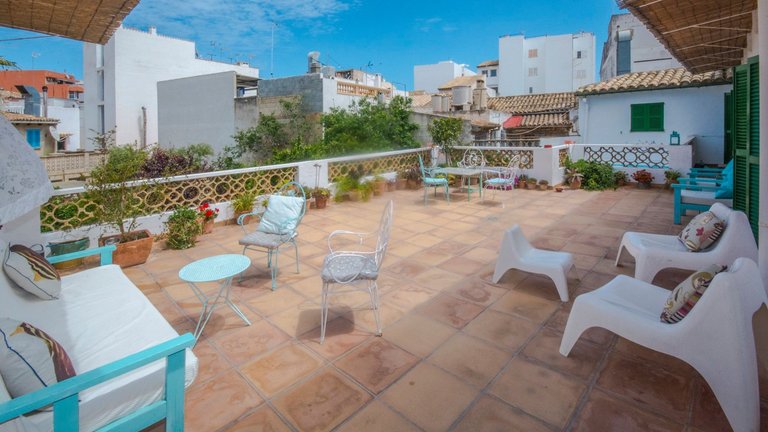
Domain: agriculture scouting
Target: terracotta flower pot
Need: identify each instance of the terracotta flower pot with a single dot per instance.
(321, 202)
(414, 184)
(130, 253)
(208, 226)
(401, 184)
(643, 185)
(575, 184)
(391, 186)
(379, 188)
(246, 221)
(354, 195)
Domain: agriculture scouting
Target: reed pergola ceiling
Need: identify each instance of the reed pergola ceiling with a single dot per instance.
(88, 21)
(703, 35)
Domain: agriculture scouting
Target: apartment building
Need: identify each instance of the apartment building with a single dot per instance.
(428, 78)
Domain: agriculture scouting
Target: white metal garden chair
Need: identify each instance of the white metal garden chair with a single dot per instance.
(353, 268)
(503, 177)
(277, 227)
(473, 159)
(716, 336)
(515, 252)
(655, 252)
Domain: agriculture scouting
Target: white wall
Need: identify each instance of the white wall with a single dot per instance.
(198, 109)
(554, 68)
(67, 111)
(430, 77)
(134, 61)
(646, 52)
(696, 111)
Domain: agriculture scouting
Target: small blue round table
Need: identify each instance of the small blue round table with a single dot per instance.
(216, 268)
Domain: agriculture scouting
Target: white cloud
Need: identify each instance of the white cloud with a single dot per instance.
(236, 28)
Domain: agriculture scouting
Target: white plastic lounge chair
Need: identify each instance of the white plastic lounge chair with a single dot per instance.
(716, 336)
(517, 253)
(347, 268)
(655, 252)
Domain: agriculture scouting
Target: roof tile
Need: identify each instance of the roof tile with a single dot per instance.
(656, 80)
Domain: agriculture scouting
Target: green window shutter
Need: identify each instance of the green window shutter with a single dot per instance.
(656, 117)
(746, 140)
(728, 128)
(647, 117)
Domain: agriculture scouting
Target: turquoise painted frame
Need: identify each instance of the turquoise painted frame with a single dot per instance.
(64, 395)
(681, 208)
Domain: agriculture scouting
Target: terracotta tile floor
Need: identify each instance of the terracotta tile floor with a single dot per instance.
(457, 352)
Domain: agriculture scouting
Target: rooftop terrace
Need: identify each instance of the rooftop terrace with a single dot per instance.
(457, 352)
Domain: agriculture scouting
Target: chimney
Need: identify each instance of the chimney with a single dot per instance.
(153, 30)
(45, 101)
(313, 62)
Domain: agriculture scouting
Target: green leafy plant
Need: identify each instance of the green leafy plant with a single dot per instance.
(116, 198)
(182, 228)
(446, 133)
(243, 202)
(344, 184)
(620, 178)
(366, 190)
(642, 176)
(594, 175)
(320, 192)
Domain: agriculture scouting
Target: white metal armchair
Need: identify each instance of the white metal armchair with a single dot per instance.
(346, 268)
(655, 252)
(277, 227)
(502, 177)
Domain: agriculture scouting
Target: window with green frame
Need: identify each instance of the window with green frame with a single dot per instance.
(647, 117)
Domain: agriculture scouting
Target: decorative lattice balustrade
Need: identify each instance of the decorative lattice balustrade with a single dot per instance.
(66, 166)
(499, 156)
(532, 142)
(376, 165)
(629, 156)
(71, 210)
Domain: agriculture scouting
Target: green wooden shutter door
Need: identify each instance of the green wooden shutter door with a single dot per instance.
(728, 128)
(655, 117)
(746, 141)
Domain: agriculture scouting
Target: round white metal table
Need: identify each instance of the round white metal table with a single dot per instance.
(216, 268)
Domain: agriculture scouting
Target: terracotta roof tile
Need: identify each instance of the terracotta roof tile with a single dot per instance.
(27, 118)
(488, 63)
(655, 80)
(534, 103)
(469, 80)
(421, 100)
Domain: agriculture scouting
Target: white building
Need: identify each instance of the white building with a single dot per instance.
(490, 70)
(632, 48)
(647, 107)
(544, 64)
(429, 77)
(121, 81)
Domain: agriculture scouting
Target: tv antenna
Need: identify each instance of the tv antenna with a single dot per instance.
(272, 52)
(35, 55)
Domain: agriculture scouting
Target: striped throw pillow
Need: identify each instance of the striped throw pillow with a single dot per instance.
(684, 297)
(32, 272)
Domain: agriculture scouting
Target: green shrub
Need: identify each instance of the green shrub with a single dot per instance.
(182, 228)
(595, 175)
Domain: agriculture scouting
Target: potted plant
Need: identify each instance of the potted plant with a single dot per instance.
(413, 177)
(620, 178)
(346, 188)
(117, 202)
(643, 178)
(207, 214)
(366, 189)
(573, 177)
(532, 183)
(391, 185)
(182, 228)
(379, 185)
(321, 196)
(543, 185)
(242, 203)
(670, 178)
(401, 180)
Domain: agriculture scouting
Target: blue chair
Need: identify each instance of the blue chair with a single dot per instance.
(700, 193)
(503, 177)
(277, 227)
(430, 181)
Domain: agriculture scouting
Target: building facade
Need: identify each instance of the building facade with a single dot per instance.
(47, 94)
(544, 64)
(648, 107)
(121, 81)
(429, 77)
(632, 48)
(40, 132)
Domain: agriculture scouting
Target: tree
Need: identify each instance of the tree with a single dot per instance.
(5, 63)
(446, 133)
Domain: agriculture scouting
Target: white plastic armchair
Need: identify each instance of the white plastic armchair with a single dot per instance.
(345, 267)
(716, 337)
(655, 252)
(276, 231)
(515, 252)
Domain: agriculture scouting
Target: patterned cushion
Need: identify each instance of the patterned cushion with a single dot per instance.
(684, 297)
(266, 240)
(282, 214)
(30, 359)
(342, 268)
(702, 231)
(31, 272)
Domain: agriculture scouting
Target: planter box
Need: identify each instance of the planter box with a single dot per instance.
(130, 253)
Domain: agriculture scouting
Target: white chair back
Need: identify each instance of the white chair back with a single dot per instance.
(385, 227)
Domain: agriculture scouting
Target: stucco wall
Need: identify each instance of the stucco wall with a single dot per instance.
(697, 111)
(429, 77)
(422, 133)
(68, 114)
(309, 86)
(197, 109)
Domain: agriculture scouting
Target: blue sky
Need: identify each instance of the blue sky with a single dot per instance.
(387, 37)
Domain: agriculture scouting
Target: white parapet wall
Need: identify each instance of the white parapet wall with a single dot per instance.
(634, 157)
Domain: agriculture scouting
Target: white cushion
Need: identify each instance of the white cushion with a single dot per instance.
(282, 214)
(32, 272)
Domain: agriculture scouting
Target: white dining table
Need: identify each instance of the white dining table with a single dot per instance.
(465, 173)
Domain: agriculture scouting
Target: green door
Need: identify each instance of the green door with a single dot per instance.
(746, 140)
